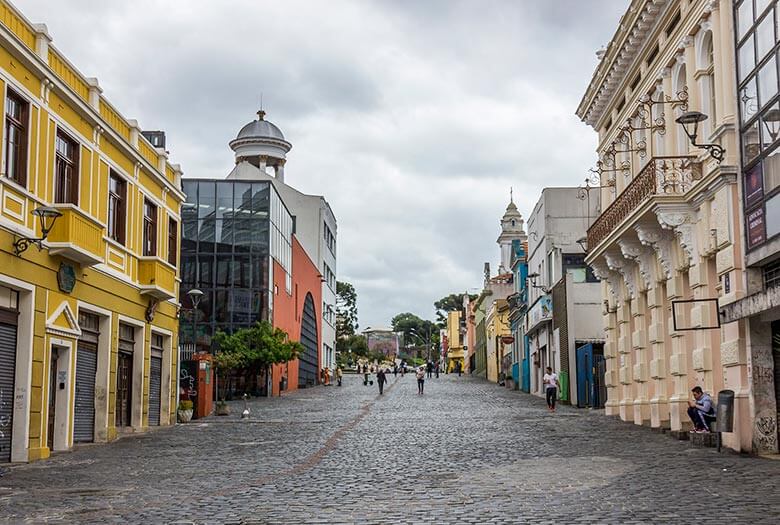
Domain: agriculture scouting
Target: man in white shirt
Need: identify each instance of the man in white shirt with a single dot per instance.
(550, 381)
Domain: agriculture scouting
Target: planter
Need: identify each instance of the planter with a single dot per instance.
(184, 416)
(222, 409)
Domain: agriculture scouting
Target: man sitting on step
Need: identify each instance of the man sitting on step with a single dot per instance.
(701, 411)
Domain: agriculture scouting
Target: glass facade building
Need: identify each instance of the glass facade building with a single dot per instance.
(758, 45)
(232, 230)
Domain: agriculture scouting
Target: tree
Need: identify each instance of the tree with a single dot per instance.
(256, 347)
(416, 331)
(350, 348)
(450, 303)
(346, 309)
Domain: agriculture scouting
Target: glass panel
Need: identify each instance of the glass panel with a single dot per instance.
(749, 100)
(754, 188)
(260, 198)
(221, 312)
(772, 170)
(224, 235)
(773, 216)
(224, 199)
(206, 200)
(241, 271)
(188, 267)
(242, 234)
(243, 197)
(765, 36)
(760, 6)
(224, 266)
(190, 189)
(750, 143)
(767, 81)
(770, 120)
(747, 58)
(206, 272)
(207, 233)
(744, 18)
(189, 230)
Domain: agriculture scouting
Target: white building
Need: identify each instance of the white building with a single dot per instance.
(557, 269)
(261, 153)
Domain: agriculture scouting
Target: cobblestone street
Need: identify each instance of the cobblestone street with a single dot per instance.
(466, 451)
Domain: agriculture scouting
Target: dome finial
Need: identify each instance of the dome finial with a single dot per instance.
(260, 115)
(511, 195)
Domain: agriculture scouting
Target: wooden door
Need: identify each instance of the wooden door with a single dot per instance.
(53, 386)
(124, 389)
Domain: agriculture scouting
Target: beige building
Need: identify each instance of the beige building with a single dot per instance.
(670, 227)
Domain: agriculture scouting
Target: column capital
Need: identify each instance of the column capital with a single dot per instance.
(653, 236)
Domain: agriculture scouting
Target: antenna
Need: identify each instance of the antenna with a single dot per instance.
(511, 195)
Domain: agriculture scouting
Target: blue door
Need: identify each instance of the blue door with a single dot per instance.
(585, 376)
(526, 385)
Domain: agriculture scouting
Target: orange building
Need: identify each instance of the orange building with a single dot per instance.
(297, 313)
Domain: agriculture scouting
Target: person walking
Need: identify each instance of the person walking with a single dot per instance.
(459, 368)
(381, 379)
(365, 375)
(436, 369)
(420, 380)
(395, 371)
(550, 381)
(429, 368)
(339, 374)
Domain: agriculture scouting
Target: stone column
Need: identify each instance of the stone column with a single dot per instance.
(263, 162)
(652, 236)
(280, 170)
(610, 295)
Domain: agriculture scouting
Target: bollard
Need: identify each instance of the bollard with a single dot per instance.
(724, 421)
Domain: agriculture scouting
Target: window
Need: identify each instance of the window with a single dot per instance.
(173, 228)
(16, 138)
(117, 207)
(673, 24)
(150, 228)
(66, 182)
(330, 239)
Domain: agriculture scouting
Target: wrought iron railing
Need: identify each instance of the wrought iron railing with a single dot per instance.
(660, 176)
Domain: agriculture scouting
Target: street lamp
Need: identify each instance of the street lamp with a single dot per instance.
(772, 122)
(195, 296)
(532, 278)
(690, 123)
(47, 216)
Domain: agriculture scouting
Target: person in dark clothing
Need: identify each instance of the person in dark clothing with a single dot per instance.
(429, 368)
(701, 411)
(458, 368)
(436, 369)
(395, 370)
(381, 379)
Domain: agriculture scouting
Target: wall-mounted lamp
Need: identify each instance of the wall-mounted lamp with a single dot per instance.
(690, 123)
(532, 279)
(47, 216)
(583, 242)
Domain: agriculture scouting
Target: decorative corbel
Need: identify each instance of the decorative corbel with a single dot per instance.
(625, 268)
(602, 271)
(661, 242)
(683, 223)
(642, 255)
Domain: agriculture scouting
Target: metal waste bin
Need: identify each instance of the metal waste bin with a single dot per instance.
(725, 411)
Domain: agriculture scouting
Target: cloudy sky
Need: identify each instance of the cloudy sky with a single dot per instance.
(412, 117)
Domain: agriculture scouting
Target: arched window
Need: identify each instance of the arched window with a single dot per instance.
(707, 85)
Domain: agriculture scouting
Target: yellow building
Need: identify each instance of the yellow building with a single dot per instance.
(497, 328)
(88, 315)
(455, 351)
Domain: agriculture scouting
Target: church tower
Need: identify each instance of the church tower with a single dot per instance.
(511, 229)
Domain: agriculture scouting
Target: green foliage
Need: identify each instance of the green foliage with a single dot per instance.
(450, 303)
(346, 310)
(355, 345)
(259, 346)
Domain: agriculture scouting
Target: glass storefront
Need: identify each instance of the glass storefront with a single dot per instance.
(230, 232)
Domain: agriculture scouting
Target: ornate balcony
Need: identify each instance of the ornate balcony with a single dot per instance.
(156, 278)
(661, 176)
(77, 236)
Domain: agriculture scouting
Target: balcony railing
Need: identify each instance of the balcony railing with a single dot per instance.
(156, 278)
(660, 176)
(77, 236)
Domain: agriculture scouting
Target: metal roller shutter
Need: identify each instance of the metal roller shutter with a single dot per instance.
(84, 412)
(7, 373)
(155, 390)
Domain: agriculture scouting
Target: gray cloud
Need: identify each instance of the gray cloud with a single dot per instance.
(413, 118)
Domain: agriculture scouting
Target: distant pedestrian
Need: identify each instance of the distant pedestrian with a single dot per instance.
(395, 371)
(381, 379)
(339, 374)
(420, 380)
(436, 369)
(550, 381)
(429, 368)
(365, 375)
(459, 367)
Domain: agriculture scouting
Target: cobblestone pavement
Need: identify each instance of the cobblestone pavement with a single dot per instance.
(465, 452)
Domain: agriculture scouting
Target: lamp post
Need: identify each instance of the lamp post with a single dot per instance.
(195, 296)
(47, 217)
(690, 123)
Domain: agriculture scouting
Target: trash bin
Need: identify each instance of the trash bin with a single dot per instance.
(725, 411)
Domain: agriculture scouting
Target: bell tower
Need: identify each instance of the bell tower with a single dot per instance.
(511, 229)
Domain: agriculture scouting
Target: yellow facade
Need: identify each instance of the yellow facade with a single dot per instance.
(496, 327)
(455, 353)
(114, 282)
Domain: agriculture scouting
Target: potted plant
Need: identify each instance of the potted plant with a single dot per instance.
(184, 412)
(222, 408)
